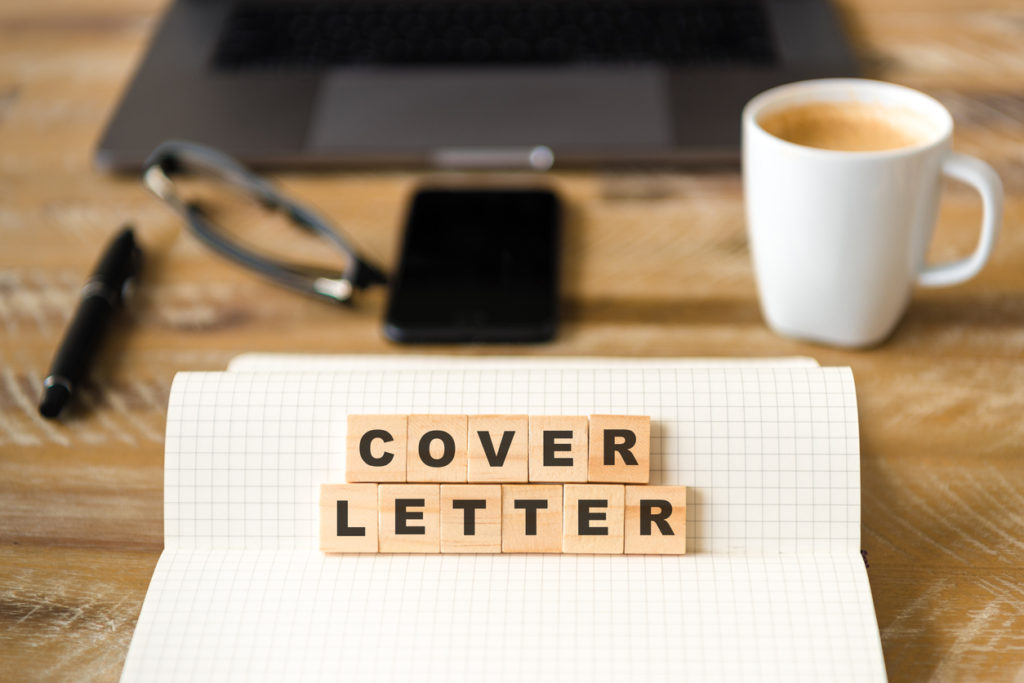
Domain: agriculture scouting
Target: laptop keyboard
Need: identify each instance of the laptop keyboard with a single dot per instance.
(513, 32)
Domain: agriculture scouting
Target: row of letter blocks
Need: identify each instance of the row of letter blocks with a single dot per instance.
(510, 518)
(492, 449)
(416, 499)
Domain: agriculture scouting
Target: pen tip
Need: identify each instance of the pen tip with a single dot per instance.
(53, 400)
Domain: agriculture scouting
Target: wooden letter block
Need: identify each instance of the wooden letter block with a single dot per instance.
(409, 518)
(558, 448)
(531, 518)
(470, 518)
(593, 518)
(656, 520)
(375, 448)
(437, 448)
(620, 449)
(348, 518)
(499, 448)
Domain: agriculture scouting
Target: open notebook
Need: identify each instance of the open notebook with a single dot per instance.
(773, 586)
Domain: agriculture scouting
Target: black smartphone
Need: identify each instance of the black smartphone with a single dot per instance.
(477, 266)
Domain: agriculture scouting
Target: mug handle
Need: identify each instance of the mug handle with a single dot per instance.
(984, 179)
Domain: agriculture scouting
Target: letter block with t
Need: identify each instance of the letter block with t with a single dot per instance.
(348, 518)
(375, 448)
(620, 449)
(593, 518)
(437, 448)
(470, 518)
(409, 518)
(531, 520)
(558, 448)
(656, 520)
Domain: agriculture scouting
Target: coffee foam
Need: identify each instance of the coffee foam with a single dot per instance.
(848, 126)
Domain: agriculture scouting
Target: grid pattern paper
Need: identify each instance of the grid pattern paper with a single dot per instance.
(774, 586)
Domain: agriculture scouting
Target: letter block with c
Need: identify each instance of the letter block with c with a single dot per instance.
(375, 448)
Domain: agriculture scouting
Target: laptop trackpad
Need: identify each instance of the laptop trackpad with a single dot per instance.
(412, 109)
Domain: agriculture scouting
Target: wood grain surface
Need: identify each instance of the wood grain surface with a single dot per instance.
(656, 264)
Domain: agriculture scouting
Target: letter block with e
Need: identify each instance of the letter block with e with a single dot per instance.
(593, 518)
(558, 448)
(409, 518)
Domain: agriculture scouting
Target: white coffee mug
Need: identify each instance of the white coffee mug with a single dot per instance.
(838, 238)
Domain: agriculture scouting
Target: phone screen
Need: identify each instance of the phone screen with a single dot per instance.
(477, 265)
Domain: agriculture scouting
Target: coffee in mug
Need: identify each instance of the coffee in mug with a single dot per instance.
(841, 183)
(848, 126)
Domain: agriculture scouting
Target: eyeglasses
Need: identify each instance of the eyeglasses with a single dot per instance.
(179, 157)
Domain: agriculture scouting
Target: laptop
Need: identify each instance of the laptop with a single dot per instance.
(467, 83)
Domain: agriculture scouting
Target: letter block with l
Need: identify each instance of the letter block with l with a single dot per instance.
(348, 518)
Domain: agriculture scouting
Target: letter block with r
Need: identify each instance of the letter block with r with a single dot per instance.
(656, 520)
(620, 449)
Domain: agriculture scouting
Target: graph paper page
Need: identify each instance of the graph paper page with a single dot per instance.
(773, 586)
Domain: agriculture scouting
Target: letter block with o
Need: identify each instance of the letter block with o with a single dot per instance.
(437, 448)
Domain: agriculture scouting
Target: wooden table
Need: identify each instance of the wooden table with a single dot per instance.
(656, 265)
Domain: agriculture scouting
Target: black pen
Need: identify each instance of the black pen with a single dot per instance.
(102, 295)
